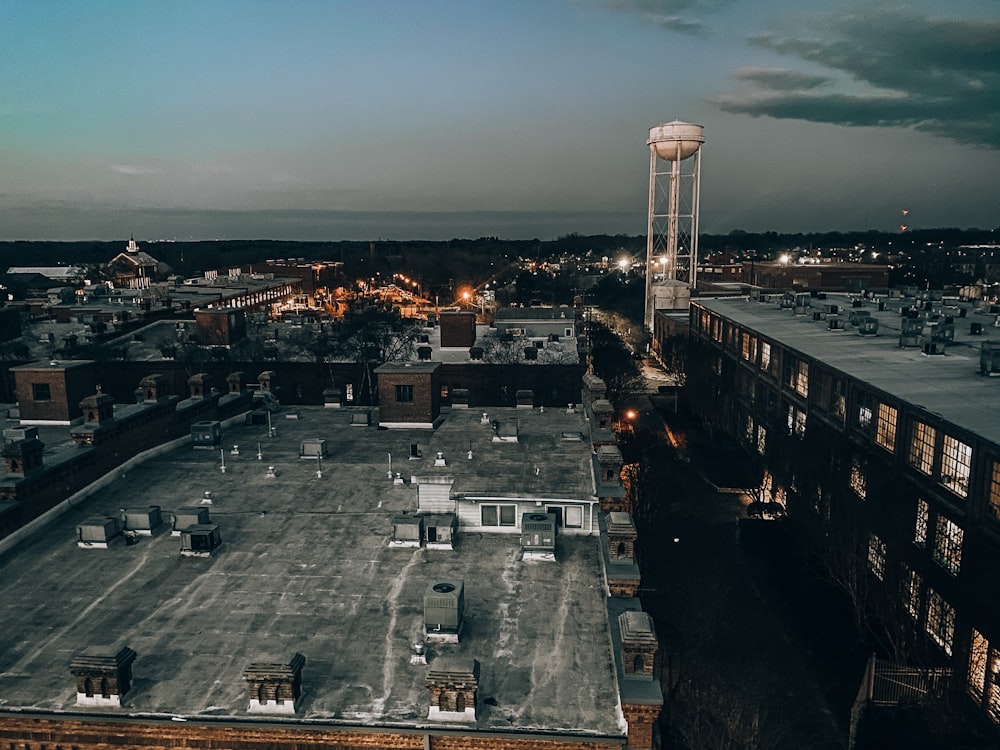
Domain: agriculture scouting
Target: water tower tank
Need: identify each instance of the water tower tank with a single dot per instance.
(676, 141)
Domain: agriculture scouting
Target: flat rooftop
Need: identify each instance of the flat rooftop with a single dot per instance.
(305, 566)
(947, 385)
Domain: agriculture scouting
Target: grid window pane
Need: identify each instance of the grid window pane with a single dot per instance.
(995, 490)
(922, 448)
(507, 513)
(885, 428)
(948, 544)
(859, 482)
(956, 465)
(920, 530)
(940, 623)
(876, 556)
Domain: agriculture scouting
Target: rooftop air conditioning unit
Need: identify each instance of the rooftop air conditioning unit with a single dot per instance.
(444, 609)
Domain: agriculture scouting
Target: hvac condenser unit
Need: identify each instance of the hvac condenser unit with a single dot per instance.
(192, 516)
(200, 539)
(538, 536)
(444, 608)
(97, 533)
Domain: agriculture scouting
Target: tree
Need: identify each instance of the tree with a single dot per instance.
(613, 362)
(499, 349)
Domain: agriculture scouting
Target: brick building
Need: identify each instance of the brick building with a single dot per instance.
(877, 422)
(301, 623)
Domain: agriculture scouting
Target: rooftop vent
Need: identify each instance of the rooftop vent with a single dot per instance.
(868, 326)
(97, 533)
(312, 448)
(444, 610)
(200, 540)
(188, 516)
(989, 358)
(407, 531)
(505, 431)
(143, 521)
(206, 434)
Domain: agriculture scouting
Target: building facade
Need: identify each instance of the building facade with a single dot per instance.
(877, 423)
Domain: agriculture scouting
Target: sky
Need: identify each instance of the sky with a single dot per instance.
(333, 120)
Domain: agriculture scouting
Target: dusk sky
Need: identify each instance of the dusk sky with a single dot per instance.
(331, 120)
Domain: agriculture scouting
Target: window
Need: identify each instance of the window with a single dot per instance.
(748, 430)
(911, 592)
(948, 544)
(349, 392)
(797, 375)
(885, 427)
(995, 490)
(858, 481)
(940, 624)
(876, 557)
(749, 347)
(498, 515)
(761, 439)
(863, 415)
(979, 654)
(404, 394)
(922, 448)
(920, 529)
(716, 329)
(796, 422)
(444, 391)
(956, 465)
(765, 356)
(41, 392)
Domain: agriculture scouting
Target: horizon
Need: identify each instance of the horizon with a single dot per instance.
(441, 119)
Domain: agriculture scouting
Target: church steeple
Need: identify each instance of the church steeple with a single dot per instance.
(132, 246)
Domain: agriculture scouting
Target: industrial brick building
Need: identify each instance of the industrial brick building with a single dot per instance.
(877, 422)
(315, 581)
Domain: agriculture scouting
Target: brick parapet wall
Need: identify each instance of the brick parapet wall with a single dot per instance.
(641, 719)
(21, 733)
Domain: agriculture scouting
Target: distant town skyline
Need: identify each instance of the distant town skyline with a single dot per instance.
(335, 120)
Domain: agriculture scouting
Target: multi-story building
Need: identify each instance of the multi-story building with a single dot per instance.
(877, 422)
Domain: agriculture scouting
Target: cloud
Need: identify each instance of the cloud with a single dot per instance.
(934, 75)
(673, 15)
(778, 79)
(135, 169)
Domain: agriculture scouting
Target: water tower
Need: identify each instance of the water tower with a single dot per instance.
(674, 178)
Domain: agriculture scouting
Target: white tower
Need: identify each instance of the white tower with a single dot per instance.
(674, 182)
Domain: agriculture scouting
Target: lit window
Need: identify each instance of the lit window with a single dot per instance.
(920, 530)
(995, 489)
(863, 418)
(498, 515)
(798, 376)
(911, 592)
(349, 391)
(716, 329)
(859, 482)
(979, 655)
(761, 439)
(765, 356)
(885, 428)
(956, 465)
(948, 544)
(796, 422)
(748, 430)
(404, 394)
(749, 347)
(41, 392)
(922, 448)
(940, 623)
(876, 556)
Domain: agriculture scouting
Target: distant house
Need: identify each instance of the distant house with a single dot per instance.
(136, 268)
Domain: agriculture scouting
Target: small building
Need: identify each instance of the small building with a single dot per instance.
(51, 392)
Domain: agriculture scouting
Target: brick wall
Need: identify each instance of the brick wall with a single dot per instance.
(17, 733)
(641, 719)
(67, 388)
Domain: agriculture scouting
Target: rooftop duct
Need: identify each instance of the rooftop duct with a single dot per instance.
(538, 536)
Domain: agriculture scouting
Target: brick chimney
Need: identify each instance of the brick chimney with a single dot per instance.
(453, 684)
(621, 537)
(609, 458)
(22, 452)
(237, 382)
(200, 385)
(275, 686)
(98, 409)
(593, 388)
(103, 675)
(153, 387)
(639, 645)
(603, 413)
(266, 380)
